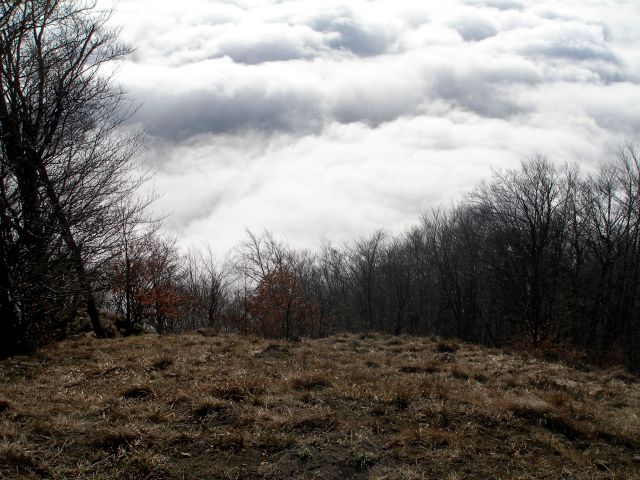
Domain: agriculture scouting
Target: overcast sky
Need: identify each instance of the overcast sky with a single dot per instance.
(330, 119)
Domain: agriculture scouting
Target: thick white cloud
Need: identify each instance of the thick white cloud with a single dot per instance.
(331, 119)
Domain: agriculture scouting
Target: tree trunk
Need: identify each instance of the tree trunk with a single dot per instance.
(85, 284)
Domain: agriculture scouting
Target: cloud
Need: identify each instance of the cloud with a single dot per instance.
(474, 27)
(271, 43)
(336, 118)
(352, 34)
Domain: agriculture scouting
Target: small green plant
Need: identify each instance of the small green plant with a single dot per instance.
(304, 454)
(363, 460)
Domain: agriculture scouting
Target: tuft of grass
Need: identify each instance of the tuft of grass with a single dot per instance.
(446, 346)
(210, 407)
(403, 398)
(544, 414)
(161, 364)
(21, 459)
(460, 372)
(270, 442)
(310, 381)
(275, 350)
(115, 439)
(363, 460)
(410, 368)
(17, 455)
(304, 454)
(138, 392)
(236, 389)
(526, 405)
(310, 423)
(233, 440)
(425, 437)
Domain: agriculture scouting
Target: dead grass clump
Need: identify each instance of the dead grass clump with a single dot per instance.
(19, 458)
(419, 367)
(465, 372)
(544, 414)
(403, 399)
(526, 405)
(274, 350)
(161, 364)
(17, 455)
(620, 441)
(405, 394)
(310, 381)
(562, 424)
(622, 375)
(115, 439)
(425, 437)
(362, 460)
(559, 400)
(49, 428)
(431, 367)
(410, 368)
(272, 442)
(551, 349)
(311, 423)
(368, 336)
(212, 408)
(233, 440)
(180, 401)
(207, 332)
(446, 346)
(479, 376)
(460, 372)
(378, 410)
(138, 392)
(146, 465)
(402, 395)
(236, 389)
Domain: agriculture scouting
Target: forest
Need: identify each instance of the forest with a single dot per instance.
(545, 255)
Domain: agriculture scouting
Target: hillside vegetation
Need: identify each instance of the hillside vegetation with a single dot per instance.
(348, 406)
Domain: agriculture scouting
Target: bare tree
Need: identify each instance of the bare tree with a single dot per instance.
(65, 163)
(365, 258)
(527, 208)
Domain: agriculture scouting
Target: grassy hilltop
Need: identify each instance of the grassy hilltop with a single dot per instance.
(349, 406)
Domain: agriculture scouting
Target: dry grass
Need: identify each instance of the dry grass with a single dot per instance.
(352, 406)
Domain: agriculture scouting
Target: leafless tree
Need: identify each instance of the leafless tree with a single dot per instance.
(65, 164)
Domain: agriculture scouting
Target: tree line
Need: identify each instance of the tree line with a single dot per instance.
(541, 254)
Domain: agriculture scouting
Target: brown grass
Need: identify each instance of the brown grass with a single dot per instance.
(310, 381)
(206, 405)
(446, 346)
(138, 392)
